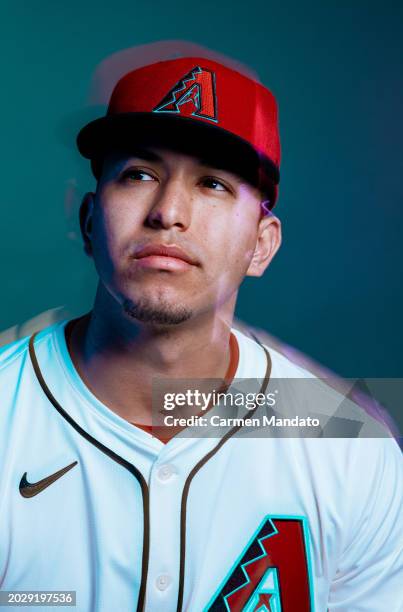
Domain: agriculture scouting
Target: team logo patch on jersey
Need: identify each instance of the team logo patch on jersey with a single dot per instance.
(273, 572)
(194, 95)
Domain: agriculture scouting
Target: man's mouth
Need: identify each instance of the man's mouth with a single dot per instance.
(164, 257)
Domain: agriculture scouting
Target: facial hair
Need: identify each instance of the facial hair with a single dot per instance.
(163, 314)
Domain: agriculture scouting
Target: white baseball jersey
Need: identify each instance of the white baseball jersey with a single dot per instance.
(91, 503)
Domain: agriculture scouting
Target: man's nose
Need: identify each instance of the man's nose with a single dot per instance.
(171, 206)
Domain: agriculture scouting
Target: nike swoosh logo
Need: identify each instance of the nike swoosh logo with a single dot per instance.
(29, 489)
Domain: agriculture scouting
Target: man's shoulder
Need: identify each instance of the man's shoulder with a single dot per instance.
(260, 347)
(344, 411)
(14, 354)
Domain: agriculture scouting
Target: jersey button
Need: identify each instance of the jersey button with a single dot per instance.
(165, 472)
(163, 581)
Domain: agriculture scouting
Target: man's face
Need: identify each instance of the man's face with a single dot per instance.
(171, 237)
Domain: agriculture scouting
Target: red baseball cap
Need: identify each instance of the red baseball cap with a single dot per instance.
(199, 105)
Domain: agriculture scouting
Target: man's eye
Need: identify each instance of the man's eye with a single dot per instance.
(212, 183)
(137, 175)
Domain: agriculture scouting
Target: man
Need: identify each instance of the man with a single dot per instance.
(129, 516)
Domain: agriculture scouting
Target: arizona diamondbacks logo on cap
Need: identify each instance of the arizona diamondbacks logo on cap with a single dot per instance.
(196, 88)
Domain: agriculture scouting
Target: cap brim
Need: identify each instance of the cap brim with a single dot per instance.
(216, 145)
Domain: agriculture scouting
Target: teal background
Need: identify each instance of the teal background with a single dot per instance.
(335, 289)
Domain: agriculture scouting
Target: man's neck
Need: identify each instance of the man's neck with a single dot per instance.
(118, 358)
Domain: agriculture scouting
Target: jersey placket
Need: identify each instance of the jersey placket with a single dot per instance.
(167, 481)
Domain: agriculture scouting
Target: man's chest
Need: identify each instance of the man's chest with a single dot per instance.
(201, 525)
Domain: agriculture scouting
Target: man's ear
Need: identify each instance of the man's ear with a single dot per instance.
(86, 212)
(267, 244)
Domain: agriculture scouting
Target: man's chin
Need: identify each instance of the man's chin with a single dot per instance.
(157, 314)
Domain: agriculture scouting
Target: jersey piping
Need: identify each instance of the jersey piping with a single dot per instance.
(193, 473)
(140, 478)
(131, 468)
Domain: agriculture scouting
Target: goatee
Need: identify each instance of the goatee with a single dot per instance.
(164, 314)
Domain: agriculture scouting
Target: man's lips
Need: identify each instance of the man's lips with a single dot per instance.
(168, 257)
